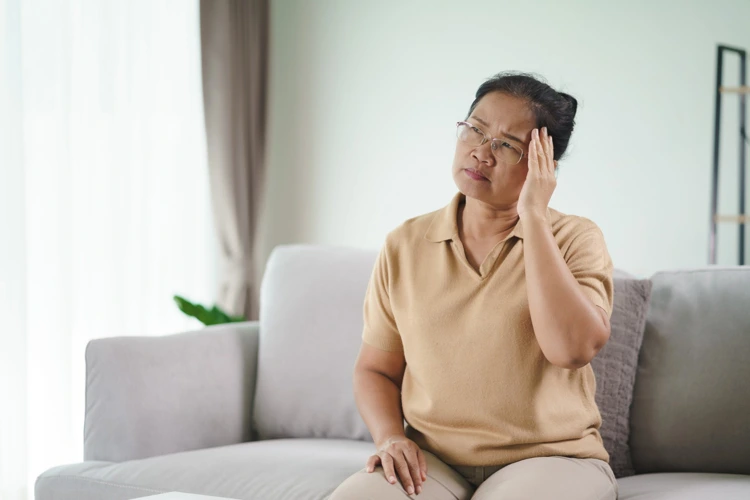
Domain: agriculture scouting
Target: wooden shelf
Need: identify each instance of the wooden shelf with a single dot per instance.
(735, 90)
(742, 219)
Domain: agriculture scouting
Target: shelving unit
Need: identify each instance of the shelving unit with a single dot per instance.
(742, 218)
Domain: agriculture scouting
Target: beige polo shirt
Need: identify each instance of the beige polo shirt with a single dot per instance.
(477, 389)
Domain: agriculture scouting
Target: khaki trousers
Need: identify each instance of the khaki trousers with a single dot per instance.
(558, 478)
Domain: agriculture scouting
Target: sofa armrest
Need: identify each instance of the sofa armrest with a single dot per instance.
(148, 396)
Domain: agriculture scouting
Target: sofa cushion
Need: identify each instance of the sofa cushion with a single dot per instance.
(311, 324)
(615, 367)
(299, 469)
(684, 486)
(691, 400)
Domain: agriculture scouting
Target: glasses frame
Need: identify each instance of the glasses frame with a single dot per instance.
(486, 139)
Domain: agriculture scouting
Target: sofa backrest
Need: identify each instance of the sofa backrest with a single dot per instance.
(311, 304)
(310, 333)
(691, 401)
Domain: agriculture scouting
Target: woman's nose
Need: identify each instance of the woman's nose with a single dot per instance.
(484, 154)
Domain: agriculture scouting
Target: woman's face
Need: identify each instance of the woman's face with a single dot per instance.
(499, 116)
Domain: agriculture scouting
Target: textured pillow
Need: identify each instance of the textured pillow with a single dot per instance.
(615, 367)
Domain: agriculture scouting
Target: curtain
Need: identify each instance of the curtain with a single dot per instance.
(234, 41)
(105, 204)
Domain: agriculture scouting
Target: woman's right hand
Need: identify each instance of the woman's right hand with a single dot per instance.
(400, 455)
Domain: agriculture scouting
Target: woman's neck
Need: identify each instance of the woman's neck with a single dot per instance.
(478, 221)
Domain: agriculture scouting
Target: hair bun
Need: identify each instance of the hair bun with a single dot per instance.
(571, 100)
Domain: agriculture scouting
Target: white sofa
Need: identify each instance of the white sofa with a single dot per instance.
(265, 411)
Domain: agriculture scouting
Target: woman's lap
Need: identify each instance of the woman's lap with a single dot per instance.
(545, 477)
(560, 478)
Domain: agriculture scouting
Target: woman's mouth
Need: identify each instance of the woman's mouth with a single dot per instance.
(475, 175)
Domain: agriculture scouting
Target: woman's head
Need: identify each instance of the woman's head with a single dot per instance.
(552, 109)
(508, 107)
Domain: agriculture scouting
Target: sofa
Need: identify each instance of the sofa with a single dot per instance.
(265, 411)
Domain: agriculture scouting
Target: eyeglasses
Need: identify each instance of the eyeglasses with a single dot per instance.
(502, 149)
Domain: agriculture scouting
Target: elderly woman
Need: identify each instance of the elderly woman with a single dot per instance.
(480, 322)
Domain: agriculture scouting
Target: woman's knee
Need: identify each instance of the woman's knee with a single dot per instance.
(443, 483)
(365, 485)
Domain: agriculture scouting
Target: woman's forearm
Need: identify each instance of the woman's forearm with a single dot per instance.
(379, 402)
(570, 329)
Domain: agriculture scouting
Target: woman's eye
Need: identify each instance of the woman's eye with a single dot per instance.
(474, 129)
(506, 145)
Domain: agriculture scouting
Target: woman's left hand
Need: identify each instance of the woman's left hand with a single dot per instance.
(540, 180)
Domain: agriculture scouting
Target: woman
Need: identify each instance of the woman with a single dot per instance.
(480, 322)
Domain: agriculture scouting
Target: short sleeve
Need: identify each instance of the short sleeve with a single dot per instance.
(591, 265)
(380, 329)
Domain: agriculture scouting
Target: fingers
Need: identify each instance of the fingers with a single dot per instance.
(404, 474)
(402, 460)
(551, 152)
(541, 152)
(538, 145)
(414, 469)
(372, 462)
(388, 470)
(533, 155)
(547, 147)
(422, 464)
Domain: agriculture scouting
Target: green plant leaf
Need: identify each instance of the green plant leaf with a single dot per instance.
(213, 316)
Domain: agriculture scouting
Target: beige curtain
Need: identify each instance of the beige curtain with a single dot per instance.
(234, 42)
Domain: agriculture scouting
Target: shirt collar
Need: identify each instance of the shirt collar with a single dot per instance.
(444, 225)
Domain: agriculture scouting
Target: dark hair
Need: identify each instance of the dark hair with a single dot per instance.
(554, 110)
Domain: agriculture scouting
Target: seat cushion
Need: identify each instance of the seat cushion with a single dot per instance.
(288, 469)
(685, 486)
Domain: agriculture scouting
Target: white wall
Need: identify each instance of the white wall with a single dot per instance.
(13, 265)
(365, 95)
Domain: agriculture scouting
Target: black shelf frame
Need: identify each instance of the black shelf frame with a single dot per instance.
(742, 219)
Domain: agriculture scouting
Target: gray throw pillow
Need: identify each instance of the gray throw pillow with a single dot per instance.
(615, 367)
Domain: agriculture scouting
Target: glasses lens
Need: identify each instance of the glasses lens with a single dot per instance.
(469, 134)
(506, 152)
